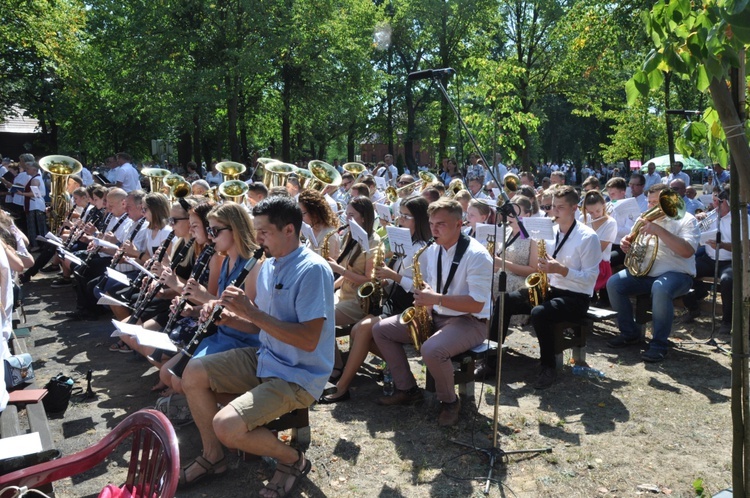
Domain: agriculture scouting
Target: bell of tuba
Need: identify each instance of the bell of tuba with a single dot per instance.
(454, 187)
(177, 186)
(275, 173)
(155, 177)
(234, 190)
(230, 170)
(323, 175)
(511, 182)
(356, 169)
(643, 248)
(59, 168)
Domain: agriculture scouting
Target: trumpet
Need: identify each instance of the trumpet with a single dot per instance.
(709, 222)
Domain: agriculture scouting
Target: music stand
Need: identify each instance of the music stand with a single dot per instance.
(495, 453)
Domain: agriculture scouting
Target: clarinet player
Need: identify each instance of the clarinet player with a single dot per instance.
(290, 368)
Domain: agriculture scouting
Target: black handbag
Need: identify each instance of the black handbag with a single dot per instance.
(59, 390)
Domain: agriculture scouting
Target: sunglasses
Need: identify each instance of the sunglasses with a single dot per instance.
(173, 221)
(546, 207)
(214, 232)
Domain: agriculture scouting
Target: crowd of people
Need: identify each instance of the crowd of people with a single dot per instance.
(231, 282)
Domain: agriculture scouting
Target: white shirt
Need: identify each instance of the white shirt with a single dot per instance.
(666, 259)
(138, 241)
(642, 201)
(679, 176)
(128, 176)
(122, 230)
(214, 178)
(21, 180)
(390, 173)
(624, 223)
(87, 177)
(37, 203)
(581, 254)
(651, 179)
(6, 317)
(473, 276)
(725, 228)
(607, 232)
(500, 171)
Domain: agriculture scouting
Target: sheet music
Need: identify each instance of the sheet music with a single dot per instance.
(539, 228)
(139, 266)
(485, 232)
(52, 237)
(35, 190)
(122, 328)
(105, 244)
(400, 239)
(380, 182)
(626, 209)
(15, 446)
(71, 257)
(708, 235)
(359, 234)
(307, 231)
(108, 300)
(118, 276)
(384, 211)
(49, 241)
(707, 200)
(158, 340)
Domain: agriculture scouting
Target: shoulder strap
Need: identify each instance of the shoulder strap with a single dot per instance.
(461, 246)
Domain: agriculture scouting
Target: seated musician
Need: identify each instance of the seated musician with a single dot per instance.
(287, 371)
(670, 276)
(616, 189)
(478, 212)
(458, 274)
(594, 211)
(705, 265)
(398, 297)
(572, 266)
(232, 233)
(317, 213)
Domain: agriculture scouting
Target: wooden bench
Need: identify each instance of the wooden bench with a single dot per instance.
(463, 375)
(35, 416)
(298, 421)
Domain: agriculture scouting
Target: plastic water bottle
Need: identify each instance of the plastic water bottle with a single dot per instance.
(592, 373)
(388, 387)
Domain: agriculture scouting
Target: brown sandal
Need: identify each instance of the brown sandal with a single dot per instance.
(211, 469)
(279, 488)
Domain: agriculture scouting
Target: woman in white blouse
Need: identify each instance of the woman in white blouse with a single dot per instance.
(594, 211)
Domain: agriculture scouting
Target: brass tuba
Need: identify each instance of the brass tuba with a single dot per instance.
(230, 170)
(416, 318)
(275, 173)
(643, 248)
(155, 177)
(356, 169)
(323, 175)
(454, 187)
(59, 168)
(511, 182)
(233, 190)
(538, 283)
(370, 293)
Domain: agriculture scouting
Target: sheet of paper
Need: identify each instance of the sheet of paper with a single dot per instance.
(139, 266)
(496, 193)
(25, 444)
(626, 209)
(708, 235)
(52, 237)
(485, 232)
(539, 228)
(49, 241)
(158, 340)
(118, 276)
(380, 182)
(122, 328)
(359, 234)
(307, 231)
(105, 244)
(400, 241)
(108, 300)
(384, 211)
(71, 257)
(707, 200)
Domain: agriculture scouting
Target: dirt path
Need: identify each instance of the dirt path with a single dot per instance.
(659, 427)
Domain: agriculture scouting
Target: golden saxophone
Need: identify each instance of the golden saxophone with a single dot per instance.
(325, 248)
(538, 283)
(370, 293)
(416, 318)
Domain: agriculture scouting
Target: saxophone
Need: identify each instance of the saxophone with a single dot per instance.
(325, 249)
(538, 283)
(416, 318)
(370, 293)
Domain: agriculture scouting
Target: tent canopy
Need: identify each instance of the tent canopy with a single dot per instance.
(662, 162)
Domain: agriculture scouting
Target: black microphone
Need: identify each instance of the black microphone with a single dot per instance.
(431, 73)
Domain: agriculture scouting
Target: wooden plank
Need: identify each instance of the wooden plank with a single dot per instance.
(9, 424)
(18, 346)
(38, 423)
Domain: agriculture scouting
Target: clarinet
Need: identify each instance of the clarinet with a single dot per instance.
(201, 266)
(189, 350)
(137, 283)
(74, 235)
(67, 219)
(121, 252)
(81, 270)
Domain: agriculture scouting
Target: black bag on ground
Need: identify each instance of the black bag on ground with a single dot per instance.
(59, 390)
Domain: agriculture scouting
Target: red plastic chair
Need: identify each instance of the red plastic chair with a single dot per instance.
(154, 468)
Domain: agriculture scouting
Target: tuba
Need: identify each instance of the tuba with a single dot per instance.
(370, 293)
(323, 176)
(416, 318)
(643, 248)
(155, 177)
(537, 283)
(275, 173)
(59, 168)
(454, 187)
(233, 190)
(511, 182)
(230, 169)
(356, 169)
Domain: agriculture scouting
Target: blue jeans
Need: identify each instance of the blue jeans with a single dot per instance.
(663, 289)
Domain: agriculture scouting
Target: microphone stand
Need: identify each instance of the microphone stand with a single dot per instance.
(495, 453)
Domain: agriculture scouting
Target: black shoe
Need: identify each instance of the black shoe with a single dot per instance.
(622, 342)
(546, 378)
(652, 356)
(484, 370)
(24, 278)
(80, 316)
(332, 398)
(61, 282)
(50, 269)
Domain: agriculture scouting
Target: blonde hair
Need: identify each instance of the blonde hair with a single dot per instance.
(243, 231)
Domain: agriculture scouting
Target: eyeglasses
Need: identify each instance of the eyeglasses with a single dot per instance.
(173, 221)
(405, 216)
(213, 232)
(546, 207)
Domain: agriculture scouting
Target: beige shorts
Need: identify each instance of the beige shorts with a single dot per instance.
(261, 400)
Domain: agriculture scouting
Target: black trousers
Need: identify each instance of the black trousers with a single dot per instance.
(86, 282)
(562, 306)
(705, 267)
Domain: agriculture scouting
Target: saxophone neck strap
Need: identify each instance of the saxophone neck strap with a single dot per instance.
(461, 246)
